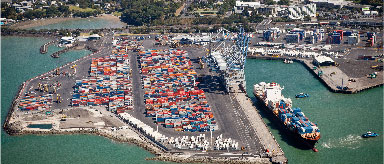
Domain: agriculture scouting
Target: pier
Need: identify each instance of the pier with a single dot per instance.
(44, 48)
(58, 53)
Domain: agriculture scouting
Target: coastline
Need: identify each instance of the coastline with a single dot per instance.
(140, 142)
(47, 21)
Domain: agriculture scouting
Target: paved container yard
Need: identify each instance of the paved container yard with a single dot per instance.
(231, 119)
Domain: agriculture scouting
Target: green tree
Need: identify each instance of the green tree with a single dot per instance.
(283, 2)
(52, 11)
(255, 18)
(64, 10)
(9, 13)
(269, 2)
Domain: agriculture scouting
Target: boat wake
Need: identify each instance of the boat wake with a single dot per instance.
(350, 142)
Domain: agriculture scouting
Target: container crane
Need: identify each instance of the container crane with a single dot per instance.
(229, 61)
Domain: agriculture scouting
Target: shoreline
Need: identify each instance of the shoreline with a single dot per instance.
(159, 154)
(47, 21)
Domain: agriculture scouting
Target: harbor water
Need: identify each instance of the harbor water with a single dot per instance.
(84, 23)
(20, 61)
(341, 118)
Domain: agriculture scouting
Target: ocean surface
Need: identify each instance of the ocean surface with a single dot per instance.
(85, 23)
(20, 61)
(342, 118)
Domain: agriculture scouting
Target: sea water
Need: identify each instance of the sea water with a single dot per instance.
(20, 61)
(342, 118)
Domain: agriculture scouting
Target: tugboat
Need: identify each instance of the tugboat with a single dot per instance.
(302, 95)
(369, 134)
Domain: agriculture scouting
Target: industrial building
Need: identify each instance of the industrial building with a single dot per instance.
(296, 12)
(271, 34)
(292, 38)
(353, 39)
(323, 61)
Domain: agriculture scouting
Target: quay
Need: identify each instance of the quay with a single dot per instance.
(333, 76)
(265, 136)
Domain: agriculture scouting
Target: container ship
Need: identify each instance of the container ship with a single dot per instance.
(292, 119)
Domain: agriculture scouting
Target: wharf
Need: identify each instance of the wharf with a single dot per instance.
(262, 132)
(333, 76)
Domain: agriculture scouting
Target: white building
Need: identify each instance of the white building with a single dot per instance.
(331, 3)
(300, 11)
(295, 12)
(67, 40)
(323, 61)
(240, 6)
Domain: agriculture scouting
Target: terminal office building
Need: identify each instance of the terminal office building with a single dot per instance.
(323, 61)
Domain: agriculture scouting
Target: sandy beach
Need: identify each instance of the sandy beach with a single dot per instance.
(48, 21)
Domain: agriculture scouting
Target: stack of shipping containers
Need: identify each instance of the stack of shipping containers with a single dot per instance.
(43, 102)
(109, 84)
(171, 95)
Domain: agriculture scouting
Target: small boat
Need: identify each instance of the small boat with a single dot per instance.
(302, 95)
(369, 134)
(287, 61)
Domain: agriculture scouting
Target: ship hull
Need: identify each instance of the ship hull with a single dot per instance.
(300, 141)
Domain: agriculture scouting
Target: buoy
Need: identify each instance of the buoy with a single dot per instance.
(315, 150)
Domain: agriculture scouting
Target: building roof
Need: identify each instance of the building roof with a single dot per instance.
(322, 59)
(67, 38)
(95, 36)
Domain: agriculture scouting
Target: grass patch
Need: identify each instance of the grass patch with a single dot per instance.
(118, 14)
(84, 34)
(75, 8)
